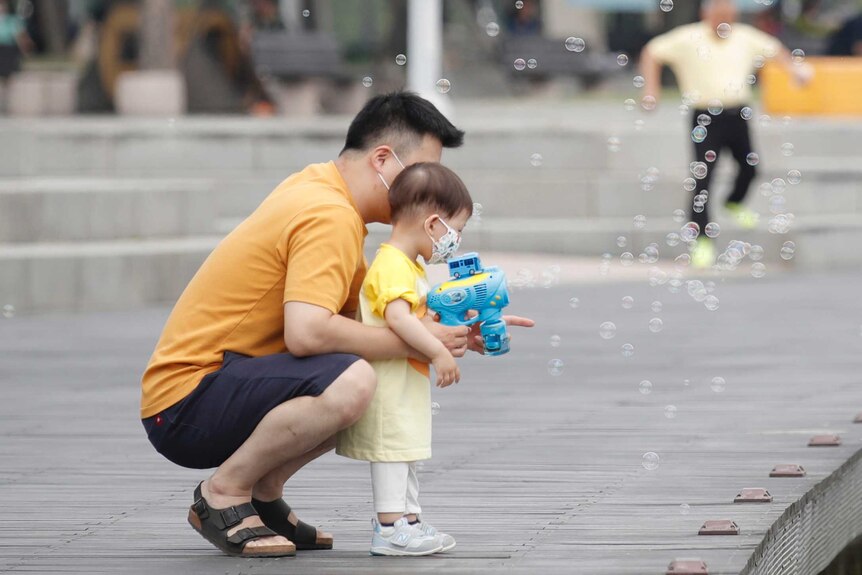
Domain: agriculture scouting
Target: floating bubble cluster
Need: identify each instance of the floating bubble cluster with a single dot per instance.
(575, 44)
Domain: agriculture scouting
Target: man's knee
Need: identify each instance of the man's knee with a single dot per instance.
(356, 388)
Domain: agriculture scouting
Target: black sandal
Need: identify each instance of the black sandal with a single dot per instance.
(275, 515)
(213, 524)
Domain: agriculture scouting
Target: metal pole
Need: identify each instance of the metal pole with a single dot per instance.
(425, 50)
(157, 24)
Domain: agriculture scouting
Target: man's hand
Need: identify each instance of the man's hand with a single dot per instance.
(453, 337)
(477, 344)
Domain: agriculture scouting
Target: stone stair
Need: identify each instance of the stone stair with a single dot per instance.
(106, 214)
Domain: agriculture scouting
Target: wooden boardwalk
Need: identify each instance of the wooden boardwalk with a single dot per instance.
(532, 473)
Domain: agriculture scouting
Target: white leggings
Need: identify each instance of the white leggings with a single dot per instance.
(395, 487)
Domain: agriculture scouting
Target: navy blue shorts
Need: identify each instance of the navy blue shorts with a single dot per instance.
(209, 425)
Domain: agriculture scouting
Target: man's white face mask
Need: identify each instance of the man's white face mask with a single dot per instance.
(379, 175)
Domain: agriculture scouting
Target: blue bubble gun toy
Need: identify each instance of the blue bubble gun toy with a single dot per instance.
(472, 287)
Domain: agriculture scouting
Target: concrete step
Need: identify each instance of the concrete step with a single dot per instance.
(127, 274)
(88, 209)
(110, 275)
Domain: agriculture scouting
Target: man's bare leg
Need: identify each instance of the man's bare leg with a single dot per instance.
(289, 433)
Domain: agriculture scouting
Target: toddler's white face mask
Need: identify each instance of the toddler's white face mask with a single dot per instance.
(444, 248)
(379, 175)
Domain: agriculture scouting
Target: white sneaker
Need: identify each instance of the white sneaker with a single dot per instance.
(402, 540)
(447, 542)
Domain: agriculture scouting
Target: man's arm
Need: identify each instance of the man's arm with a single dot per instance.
(650, 69)
(313, 330)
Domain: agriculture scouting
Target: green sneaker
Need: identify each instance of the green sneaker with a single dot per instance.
(703, 254)
(744, 217)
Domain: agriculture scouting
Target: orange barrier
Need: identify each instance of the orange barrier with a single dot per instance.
(834, 90)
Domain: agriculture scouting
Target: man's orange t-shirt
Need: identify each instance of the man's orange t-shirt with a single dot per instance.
(303, 243)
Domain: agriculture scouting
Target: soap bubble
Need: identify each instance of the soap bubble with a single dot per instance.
(684, 509)
(492, 29)
(656, 325)
(520, 64)
(555, 367)
(651, 253)
(519, 4)
(555, 341)
(682, 261)
(627, 259)
(608, 330)
(752, 159)
(401, 59)
(751, 79)
(645, 387)
(574, 302)
(532, 63)
(657, 277)
(704, 120)
(367, 81)
(435, 408)
(477, 209)
(622, 59)
(689, 232)
(650, 461)
(794, 177)
(786, 149)
(717, 384)
(698, 134)
(699, 170)
(672, 239)
(688, 184)
(778, 185)
(8, 311)
(666, 5)
(715, 107)
(639, 222)
(306, 13)
(629, 104)
(756, 253)
(759, 61)
(710, 156)
(788, 250)
(613, 144)
(638, 81)
(639, 125)
(627, 302)
(575, 44)
(679, 215)
(711, 302)
(627, 350)
(443, 86)
(656, 306)
(712, 230)
(621, 241)
(798, 56)
(683, 109)
(536, 160)
(670, 411)
(758, 270)
(765, 121)
(723, 30)
(648, 103)
(746, 113)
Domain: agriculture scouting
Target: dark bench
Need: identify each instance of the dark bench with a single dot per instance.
(292, 56)
(553, 59)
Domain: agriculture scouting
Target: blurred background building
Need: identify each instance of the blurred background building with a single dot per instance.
(138, 133)
(296, 57)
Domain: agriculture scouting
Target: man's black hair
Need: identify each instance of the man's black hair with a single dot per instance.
(400, 115)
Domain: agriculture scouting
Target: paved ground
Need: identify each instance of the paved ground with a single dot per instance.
(532, 473)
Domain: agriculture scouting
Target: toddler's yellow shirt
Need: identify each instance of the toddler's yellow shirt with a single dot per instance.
(397, 424)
